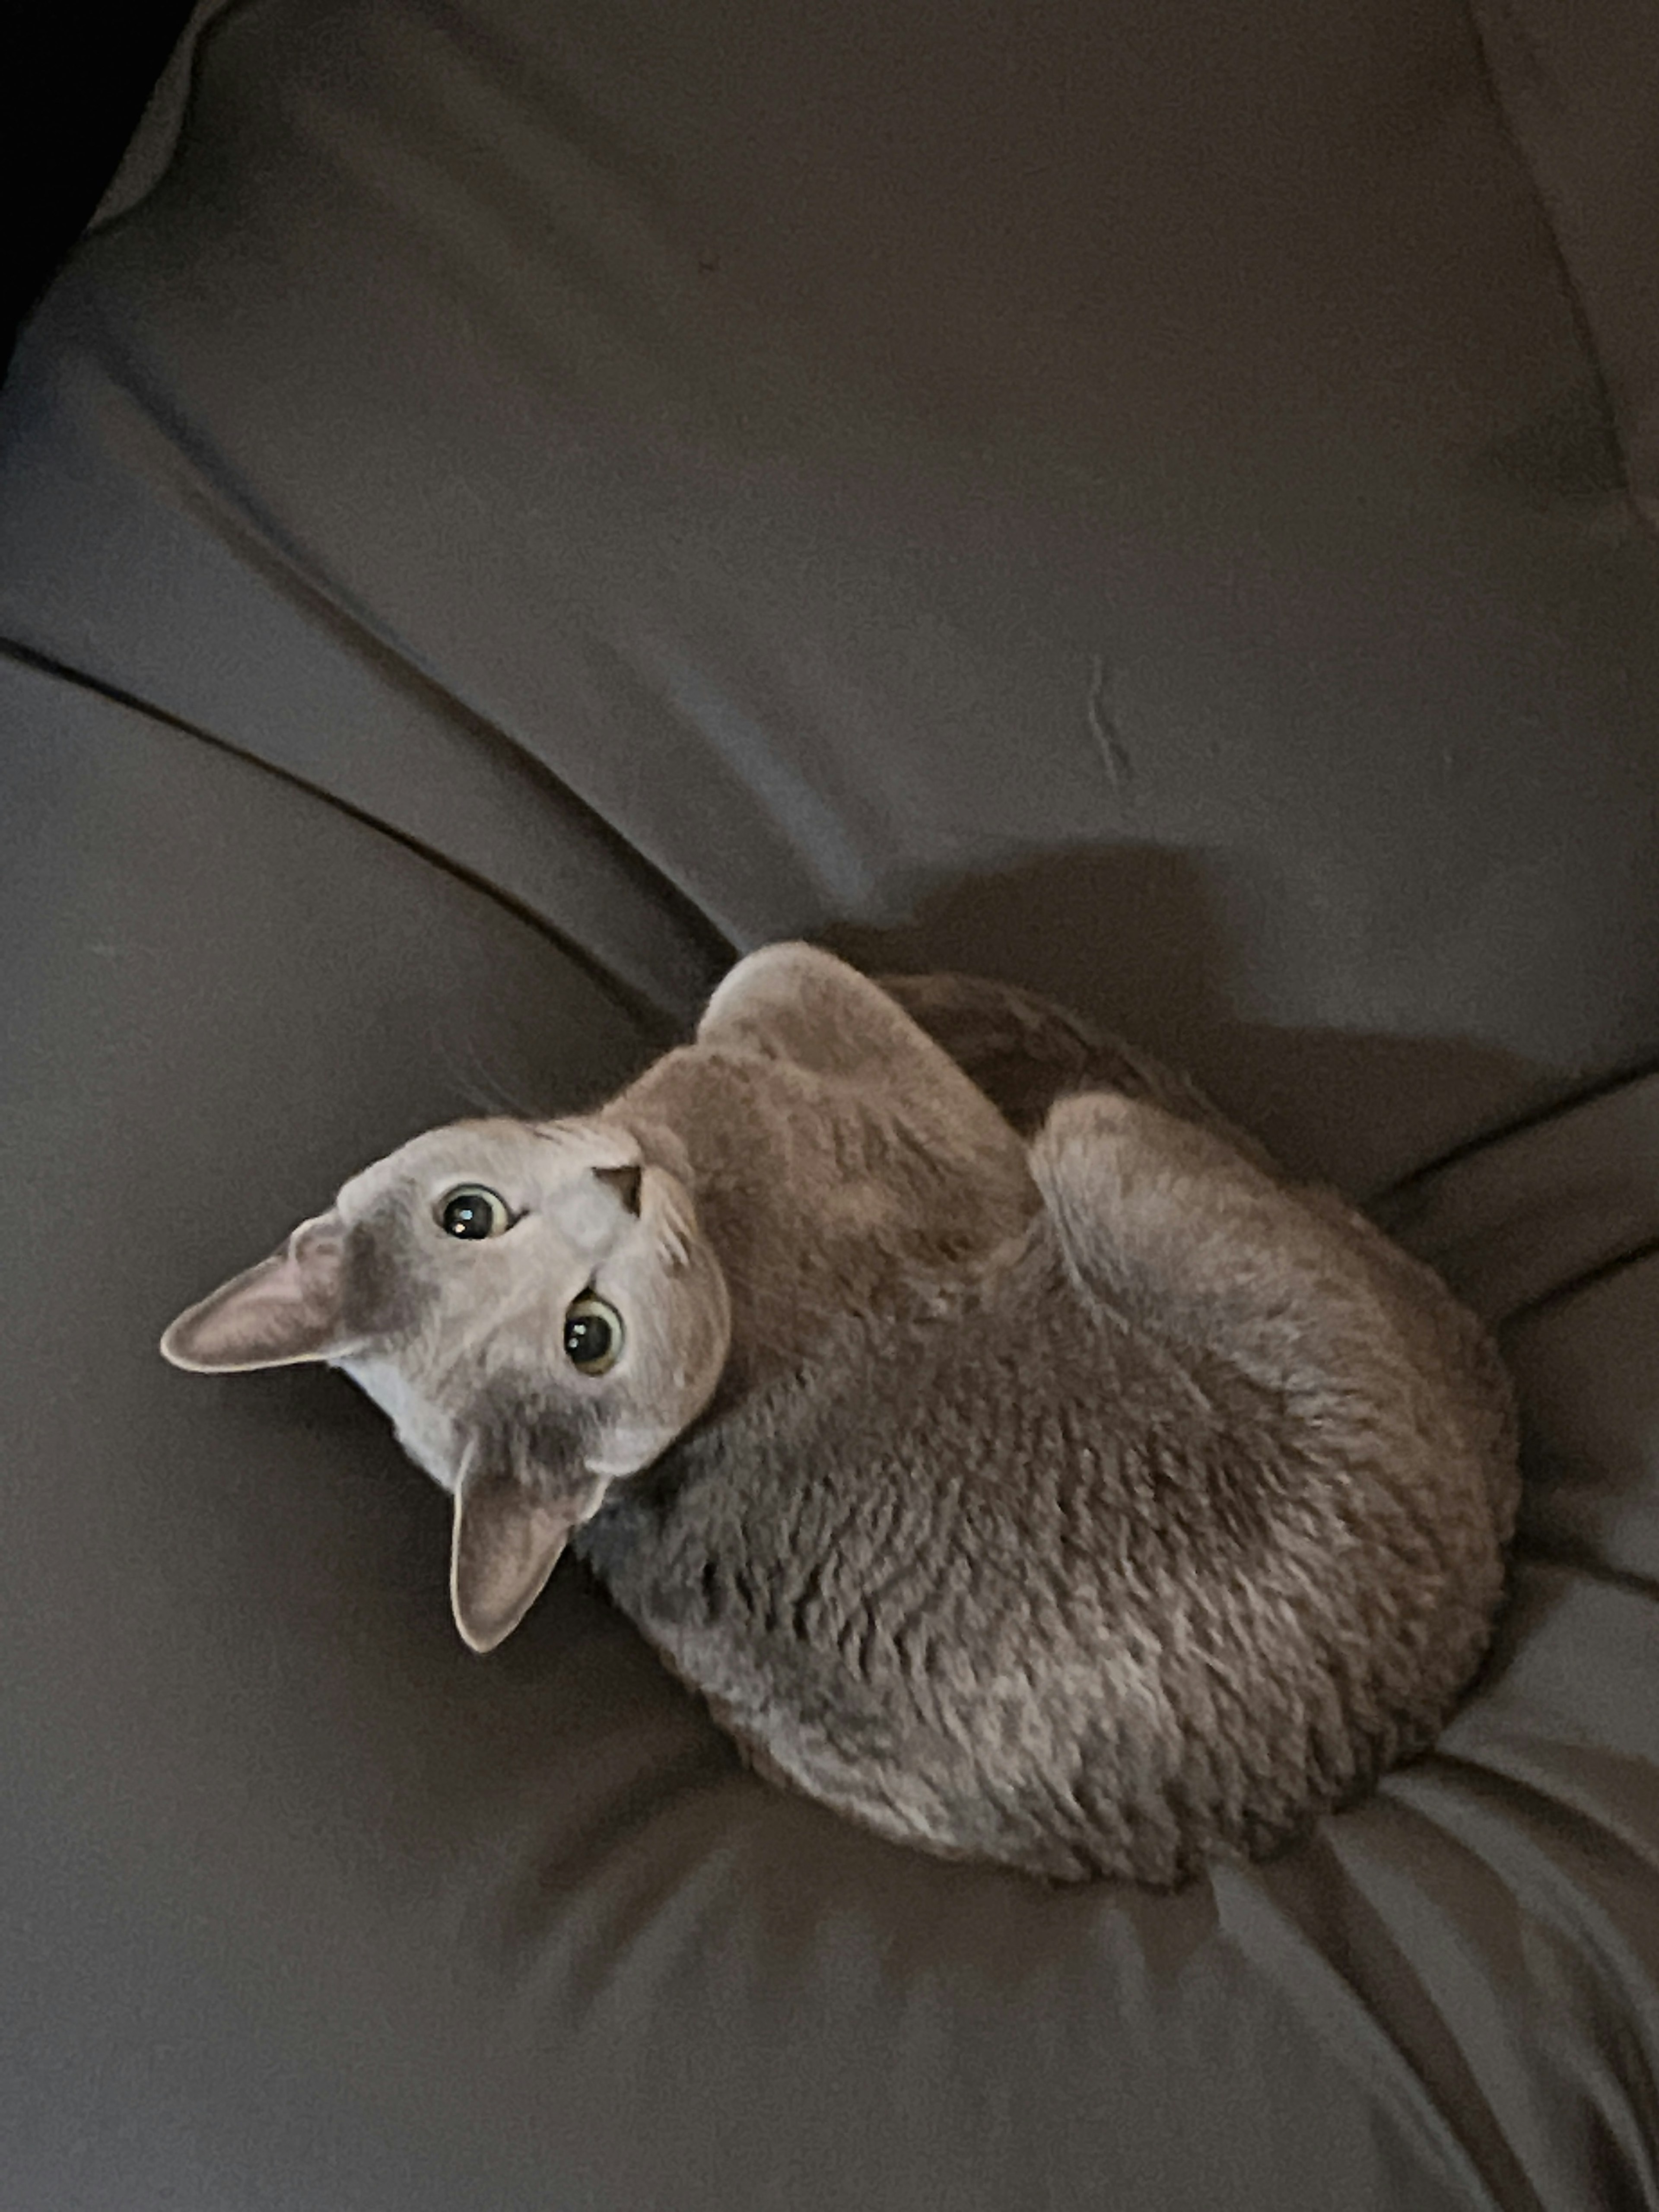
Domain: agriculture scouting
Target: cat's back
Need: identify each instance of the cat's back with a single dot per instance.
(1003, 1539)
(1153, 1508)
(1061, 1447)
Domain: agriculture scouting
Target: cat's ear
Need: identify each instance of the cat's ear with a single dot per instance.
(289, 1307)
(508, 1535)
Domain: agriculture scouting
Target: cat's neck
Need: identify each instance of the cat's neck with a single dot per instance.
(817, 1196)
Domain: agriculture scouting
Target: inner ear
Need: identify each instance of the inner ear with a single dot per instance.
(508, 1537)
(625, 1181)
(289, 1307)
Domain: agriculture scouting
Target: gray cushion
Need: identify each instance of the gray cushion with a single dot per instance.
(527, 502)
(1144, 475)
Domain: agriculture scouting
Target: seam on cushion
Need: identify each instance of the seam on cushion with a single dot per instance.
(650, 1019)
(1560, 1294)
(1488, 1768)
(1269, 1936)
(1627, 1076)
(227, 509)
(1562, 1557)
(1583, 320)
(1555, 1897)
(1540, 1214)
(152, 149)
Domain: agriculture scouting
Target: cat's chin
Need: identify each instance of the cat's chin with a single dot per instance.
(424, 1436)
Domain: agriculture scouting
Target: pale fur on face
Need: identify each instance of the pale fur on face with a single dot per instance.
(461, 1341)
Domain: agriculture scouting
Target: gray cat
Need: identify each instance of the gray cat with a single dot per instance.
(1011, 1456)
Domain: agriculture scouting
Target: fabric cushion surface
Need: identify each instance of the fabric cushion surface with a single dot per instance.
(1146, 476)
(527, 503)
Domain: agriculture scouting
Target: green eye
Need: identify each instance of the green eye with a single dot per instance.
(593, 1335)
(473, 1212)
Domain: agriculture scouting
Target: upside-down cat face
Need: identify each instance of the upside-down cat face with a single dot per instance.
(533, 1306)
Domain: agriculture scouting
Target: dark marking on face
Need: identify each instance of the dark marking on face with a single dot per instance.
(546, 1439)
(387, 1291)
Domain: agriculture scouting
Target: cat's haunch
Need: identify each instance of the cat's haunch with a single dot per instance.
(1012, 1456)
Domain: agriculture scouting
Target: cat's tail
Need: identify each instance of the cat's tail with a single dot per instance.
(1027, 1054)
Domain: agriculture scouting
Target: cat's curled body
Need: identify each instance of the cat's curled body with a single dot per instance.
(1159, 1509)
(1074, 1494)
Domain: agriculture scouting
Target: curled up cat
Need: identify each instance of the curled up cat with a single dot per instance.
(1012, 1457)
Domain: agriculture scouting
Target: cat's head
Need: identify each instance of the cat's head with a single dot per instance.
(533, 1305)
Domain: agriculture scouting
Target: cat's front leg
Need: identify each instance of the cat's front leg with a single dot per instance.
(795, 1003)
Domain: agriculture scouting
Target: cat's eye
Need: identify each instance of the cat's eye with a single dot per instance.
(473, 1212)
(592, 1335)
